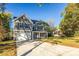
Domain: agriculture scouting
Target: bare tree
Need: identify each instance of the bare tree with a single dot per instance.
(51, 23)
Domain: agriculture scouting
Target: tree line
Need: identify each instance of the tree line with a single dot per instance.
(70, 22)
(5, 18)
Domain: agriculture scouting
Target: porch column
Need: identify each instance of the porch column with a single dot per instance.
(46, 34)
(39, 34)
(32, 35)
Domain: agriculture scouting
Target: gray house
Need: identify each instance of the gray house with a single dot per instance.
(27, 29)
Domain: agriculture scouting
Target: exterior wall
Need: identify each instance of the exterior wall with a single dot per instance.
(38, 27)
(39, 31)
(22, 29)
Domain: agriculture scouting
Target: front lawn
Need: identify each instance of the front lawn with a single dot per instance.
(68, 41)
(8, 48)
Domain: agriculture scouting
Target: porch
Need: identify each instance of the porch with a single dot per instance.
(39, 34)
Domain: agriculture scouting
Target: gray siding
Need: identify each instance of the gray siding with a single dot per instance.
(25, 30)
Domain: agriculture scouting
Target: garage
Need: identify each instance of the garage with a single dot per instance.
(23, 35)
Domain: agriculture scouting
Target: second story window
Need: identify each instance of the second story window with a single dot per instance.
(39, 28)
(23, 26)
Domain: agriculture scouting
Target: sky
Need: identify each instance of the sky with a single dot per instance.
(46, 12)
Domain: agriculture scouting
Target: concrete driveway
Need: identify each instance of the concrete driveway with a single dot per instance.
(46, 49)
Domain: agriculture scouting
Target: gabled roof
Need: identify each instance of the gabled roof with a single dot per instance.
(34, 21)
(31, 20)
(23, 16)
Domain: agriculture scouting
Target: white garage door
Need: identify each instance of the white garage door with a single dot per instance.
(22, 36)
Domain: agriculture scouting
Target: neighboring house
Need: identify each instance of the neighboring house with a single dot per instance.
(57, 33)
(26, 29)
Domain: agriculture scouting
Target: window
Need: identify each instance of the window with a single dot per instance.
(39, 28)
(24, 26)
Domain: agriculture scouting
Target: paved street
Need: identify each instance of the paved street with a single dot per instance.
(46, 49)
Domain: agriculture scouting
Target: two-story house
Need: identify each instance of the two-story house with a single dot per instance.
(27, 29)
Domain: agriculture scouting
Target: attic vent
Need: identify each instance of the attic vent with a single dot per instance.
(23, 17)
